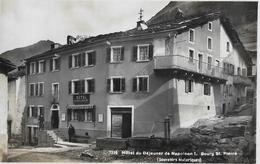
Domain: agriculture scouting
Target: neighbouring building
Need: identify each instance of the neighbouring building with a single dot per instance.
(125, 84)
(5, 67)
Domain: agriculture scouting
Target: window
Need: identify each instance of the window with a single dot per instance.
(192, 35)
(33, 111)
(210, 26)
(206, 89)
(209, 62)
(55, 64)
(55, 89)
(90, 58)
(40, 90)
(230, 89)
(238, 71)
(209, 43)
(81, 115)
(75, 60)
(41, 66)
(32, 89)
(116, 85)
(188, 86)
(115, 54)
(217, 65)
(89, 115)
(89, 85)
(76, 86)
(228, 47)
(143, 53)
(141, 84)
(32, 68)
(191, 55)
(40, 110)
(244, 72)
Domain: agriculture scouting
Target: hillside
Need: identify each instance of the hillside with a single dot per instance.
(17, 55)
(243, 16)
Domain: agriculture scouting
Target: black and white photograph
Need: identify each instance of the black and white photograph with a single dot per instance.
(109, 81)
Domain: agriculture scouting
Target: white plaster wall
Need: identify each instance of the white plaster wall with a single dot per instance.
(159, 47)
(3, 115)
(223, 43)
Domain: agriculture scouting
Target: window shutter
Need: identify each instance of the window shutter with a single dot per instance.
(122, 53)
(92, 89)
(83, 58)
(134, 84)
(69, 86)
(186, 86)
(28, 68)
(108, 54)
(51, 64)
(44, 66)
(37, 67)
(123, 84)
(28, 112)
(108, 85)
(134, 53)
(70, 61)
(58, 63)
(36, 89)
(94, 115)
(150, 52)
(145, 84)
(94, 58)
(79, 61)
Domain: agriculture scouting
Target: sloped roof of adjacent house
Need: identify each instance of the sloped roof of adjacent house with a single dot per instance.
(179, 25)
(6, 65)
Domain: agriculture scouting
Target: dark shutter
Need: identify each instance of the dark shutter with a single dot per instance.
(36, 89)
(79, 60)
(108, 85)
(134, 84)
(145, 84)
(150, 52)
(37, 67)
(92, 89)
(108, 54)
(28, 68)
(94, 58)
(70, 61)
(134, 53)
(28, 112)
(51, 64)
(83, 58)
(94, 115)
(122, 53)
(58, 63)
(123, 84)
(69, 87)
(44, 66)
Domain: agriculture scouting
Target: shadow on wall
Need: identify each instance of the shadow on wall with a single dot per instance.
(23, 125)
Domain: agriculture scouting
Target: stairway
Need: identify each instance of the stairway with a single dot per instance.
(54, 136)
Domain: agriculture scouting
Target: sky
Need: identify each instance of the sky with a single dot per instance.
(25, 22)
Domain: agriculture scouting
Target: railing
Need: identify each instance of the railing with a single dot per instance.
(238, 79)
(188, 64)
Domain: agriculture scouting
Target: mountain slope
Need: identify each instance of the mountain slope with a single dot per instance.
(243, 16)
(17, 55)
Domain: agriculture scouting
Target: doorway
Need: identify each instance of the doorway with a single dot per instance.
(54, 119)
(121, 122)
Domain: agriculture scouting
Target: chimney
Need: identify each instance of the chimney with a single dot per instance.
(141, 24)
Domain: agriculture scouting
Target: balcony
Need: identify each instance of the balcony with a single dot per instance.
(184, 64)
(241, 80)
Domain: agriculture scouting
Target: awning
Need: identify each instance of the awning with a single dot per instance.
(89, 106)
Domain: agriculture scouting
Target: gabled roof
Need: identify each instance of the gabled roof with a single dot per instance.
(178, 26)
(6, 65)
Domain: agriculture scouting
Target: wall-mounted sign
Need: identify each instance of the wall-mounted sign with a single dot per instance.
(81, 99)
(100, 117)
(63, 117)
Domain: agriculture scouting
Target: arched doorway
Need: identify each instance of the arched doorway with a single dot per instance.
(55, 116)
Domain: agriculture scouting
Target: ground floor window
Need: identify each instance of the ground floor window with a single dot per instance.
(81, 115)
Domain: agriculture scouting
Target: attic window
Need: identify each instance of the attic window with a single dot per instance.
(210, 26)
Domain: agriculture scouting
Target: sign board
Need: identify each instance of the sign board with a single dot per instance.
(63, 117)
(81, 99)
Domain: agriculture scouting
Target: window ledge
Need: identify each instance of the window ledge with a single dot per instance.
(142, 92)
(115, 62)
(116, 92)
(74, 67)
(91, 93)
(142, 61)
(87, 66)
(55, 70)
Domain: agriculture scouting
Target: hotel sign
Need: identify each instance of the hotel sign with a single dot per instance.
(81, 99)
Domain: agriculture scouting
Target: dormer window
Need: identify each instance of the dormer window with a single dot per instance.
(191, 35)
(210, 26)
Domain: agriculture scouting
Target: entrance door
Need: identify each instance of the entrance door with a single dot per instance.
(121, 121)
(200, 62)
(55, 119)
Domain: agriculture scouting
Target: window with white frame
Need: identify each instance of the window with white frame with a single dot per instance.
(40, 88)
(75, 86)
(90, 58)
(81, 115)
(40, 110)
(191, 35)
(207, 87)
(188, 85)
(116, 85)
(89, 85)
(191, 55)
(55, 89)
(209, 43)
(55, 64)
(116, 54)
(32, 68)
(143, 53)
(41, 66)
(33, 111)
(141, 84)
(210, 26)
(75, 60)
(32, 89)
